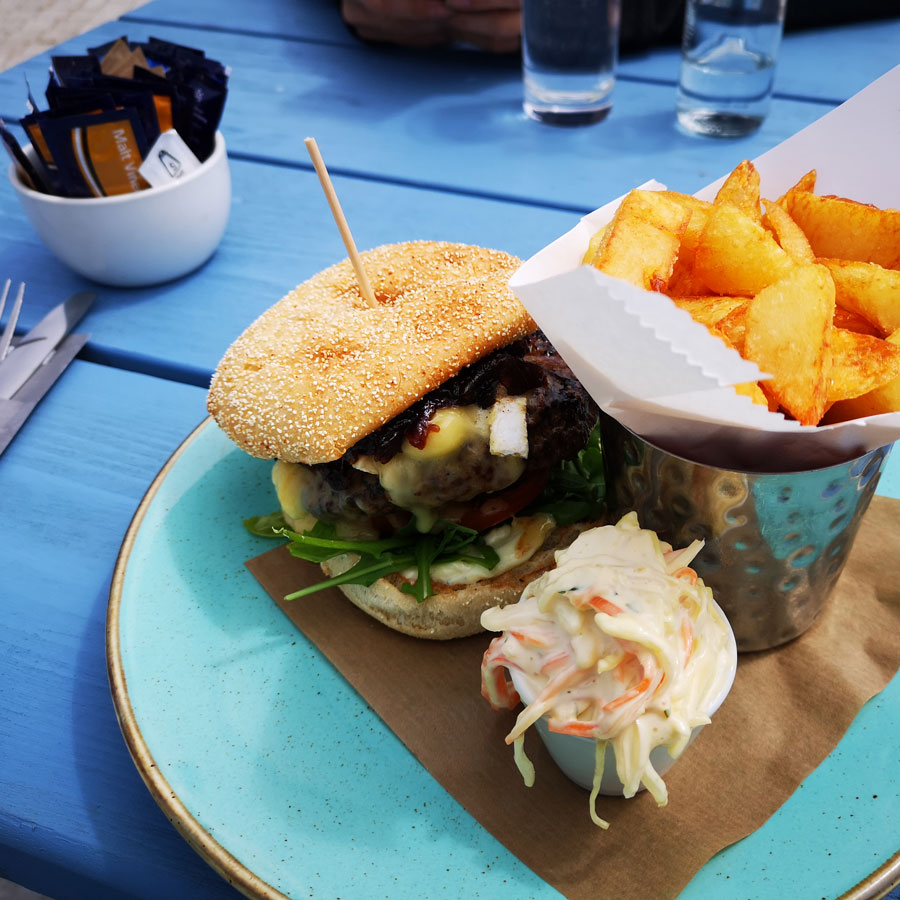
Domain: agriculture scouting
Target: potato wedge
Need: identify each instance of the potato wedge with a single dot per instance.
(741, 189)
(788, 331)
(883, 399)
(851, 321)
(752, 390)
(709, 310)
(736, 255)
(838, 228)
(867, 289)
(596, 245)
(734, 326)
(699, 210)
(860, 364)
(787, 232)
(684, 282)
(644, 240)
(807, 182)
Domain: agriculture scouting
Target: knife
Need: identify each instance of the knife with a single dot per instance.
(38, 359)
(35, 348)
(13, 413)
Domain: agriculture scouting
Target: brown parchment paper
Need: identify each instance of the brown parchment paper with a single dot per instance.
(788, 708)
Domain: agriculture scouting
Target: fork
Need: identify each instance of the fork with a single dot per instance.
(7, 336)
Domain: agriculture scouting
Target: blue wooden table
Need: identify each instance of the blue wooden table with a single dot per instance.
(421, 145)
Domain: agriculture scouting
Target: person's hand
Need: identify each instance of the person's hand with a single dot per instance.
(494, 25)
(412, 23)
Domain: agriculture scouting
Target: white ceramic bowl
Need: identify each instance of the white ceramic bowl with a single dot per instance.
(138, 239)
(576, 755)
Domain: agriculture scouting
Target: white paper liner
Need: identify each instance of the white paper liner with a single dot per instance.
(663, 375)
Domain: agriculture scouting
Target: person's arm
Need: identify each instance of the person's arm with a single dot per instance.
(410, 23)
(493, 25)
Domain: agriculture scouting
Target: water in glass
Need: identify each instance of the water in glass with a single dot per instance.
(728, 65)
(569, 53)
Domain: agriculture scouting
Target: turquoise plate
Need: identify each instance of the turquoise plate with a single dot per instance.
(287, 783)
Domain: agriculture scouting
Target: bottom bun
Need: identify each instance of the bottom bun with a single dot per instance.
(453, 610)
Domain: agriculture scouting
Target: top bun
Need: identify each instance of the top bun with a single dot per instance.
(320, 369)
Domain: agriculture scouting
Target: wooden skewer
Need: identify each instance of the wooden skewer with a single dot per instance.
(340, 221)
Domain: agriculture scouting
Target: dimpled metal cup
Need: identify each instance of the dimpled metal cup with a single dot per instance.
(775, 542)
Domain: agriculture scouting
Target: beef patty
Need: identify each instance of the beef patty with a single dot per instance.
(559, 414)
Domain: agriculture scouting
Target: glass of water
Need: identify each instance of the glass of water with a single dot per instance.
(728, 56)
(569, 54)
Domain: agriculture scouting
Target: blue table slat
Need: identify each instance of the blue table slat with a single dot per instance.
(76, 821)
(317, 21)
(825, 64)
(445, 119)
(280, 233)
(821, 63)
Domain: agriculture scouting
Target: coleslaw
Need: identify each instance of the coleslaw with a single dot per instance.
(621, 643)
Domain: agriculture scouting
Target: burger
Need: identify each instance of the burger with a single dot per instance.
(432, 450)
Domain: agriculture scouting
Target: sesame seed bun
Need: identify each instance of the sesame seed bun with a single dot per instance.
(452, 611)
(320, 369)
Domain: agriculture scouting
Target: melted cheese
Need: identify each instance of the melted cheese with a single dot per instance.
(453, 426)
(290, 479)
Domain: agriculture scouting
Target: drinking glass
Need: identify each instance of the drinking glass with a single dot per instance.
(569, 54)
(728, 56)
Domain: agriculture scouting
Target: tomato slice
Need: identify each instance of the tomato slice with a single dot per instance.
(503, 504)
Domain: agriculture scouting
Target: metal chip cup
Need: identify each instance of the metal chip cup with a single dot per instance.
(776, 543)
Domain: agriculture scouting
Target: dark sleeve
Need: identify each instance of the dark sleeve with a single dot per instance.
(647, 23)
(821, 13)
